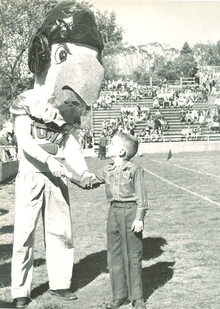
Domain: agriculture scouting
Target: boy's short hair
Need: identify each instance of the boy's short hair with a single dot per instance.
(130, 144)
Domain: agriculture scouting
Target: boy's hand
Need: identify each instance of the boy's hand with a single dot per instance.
(56, 168)
(137, 226)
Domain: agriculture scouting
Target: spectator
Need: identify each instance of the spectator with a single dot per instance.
(188, 132)
(10, 128)
(217, 100)
(199, 133)
(188, 117)
(184, 134)
(102, 147)
(182, 116)
(5, 140)
(108, 101)
(95, 105)
(88, 138)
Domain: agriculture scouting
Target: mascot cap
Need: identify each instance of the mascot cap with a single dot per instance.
(68, 22)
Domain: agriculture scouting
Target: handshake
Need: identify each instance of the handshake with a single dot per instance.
(87, 181)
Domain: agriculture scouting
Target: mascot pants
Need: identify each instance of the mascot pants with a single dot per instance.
(36, 193)
(124, 251)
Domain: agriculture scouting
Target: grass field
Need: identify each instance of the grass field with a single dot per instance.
(181, 263)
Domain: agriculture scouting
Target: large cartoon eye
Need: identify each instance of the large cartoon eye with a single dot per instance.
(60, 54)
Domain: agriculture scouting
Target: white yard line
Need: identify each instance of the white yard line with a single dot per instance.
(189, 169)
(184, 189)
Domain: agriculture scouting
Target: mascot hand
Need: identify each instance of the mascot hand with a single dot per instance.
(88, 174)
(55, 167)
(84, 183)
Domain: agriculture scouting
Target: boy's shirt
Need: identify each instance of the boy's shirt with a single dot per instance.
(125, 183)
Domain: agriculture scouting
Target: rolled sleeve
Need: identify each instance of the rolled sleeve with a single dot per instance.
(141, 193)
(100, 175)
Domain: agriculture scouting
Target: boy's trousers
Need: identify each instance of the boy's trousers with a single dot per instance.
(36, 192)
(124, 251)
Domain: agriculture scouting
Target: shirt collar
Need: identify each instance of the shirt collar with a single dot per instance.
(124, 165)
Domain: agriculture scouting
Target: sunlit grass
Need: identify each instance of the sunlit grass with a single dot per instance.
(181, 239)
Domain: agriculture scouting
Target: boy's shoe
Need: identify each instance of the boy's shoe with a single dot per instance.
(115, 304)
(65, 294)
(139, 304)
(21, 302)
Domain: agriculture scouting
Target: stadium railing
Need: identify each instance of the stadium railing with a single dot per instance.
(204, 137)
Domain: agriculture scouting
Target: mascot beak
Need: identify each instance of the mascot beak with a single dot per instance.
(79, 80)
(77, 86)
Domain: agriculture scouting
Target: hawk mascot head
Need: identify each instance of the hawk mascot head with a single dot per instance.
(65, 56)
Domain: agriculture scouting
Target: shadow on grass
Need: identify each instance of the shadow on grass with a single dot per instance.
(8, 181)
(156, 276)
(90, 267)
(152, 247)
(8, 229)
(39, 262)
(5, 251)
(5, 270)
(94, 264)
(4, 304)
(3, 211)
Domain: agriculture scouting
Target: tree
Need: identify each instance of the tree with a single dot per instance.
(207, 53)
(185, 64)
(164, 69)
(141, 76)
(112, 33)
(202, 53)
(186, 50)
(217, 53)
(19, 20)
(159, 67)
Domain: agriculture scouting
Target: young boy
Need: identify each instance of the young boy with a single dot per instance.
(126, 192)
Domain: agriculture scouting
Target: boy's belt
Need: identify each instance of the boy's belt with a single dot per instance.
(123, 204)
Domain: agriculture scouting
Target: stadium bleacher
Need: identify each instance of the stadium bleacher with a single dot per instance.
(171, 115)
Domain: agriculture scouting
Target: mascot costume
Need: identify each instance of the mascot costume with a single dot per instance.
(65, 56)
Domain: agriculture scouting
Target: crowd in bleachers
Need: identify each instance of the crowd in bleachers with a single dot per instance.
(194, 134)
(203, 117)
(154, 129)
(123, 90)
(210, 80)
(163, 95)
(113, 125)
(8, 143)
(168, 97)
(139, 113)
(126, 85)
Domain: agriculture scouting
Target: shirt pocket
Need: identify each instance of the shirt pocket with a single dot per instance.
(126, 185)
(126, 178)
